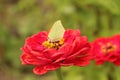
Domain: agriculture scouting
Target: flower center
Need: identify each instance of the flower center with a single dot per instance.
(108, 48)
(53, 44)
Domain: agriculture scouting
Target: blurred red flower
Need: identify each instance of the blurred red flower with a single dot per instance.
(106, 49)
(45, 55)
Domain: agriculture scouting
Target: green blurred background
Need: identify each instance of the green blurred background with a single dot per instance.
(22, 18)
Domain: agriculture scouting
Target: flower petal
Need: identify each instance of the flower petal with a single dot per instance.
(52, 66)
(39, 70)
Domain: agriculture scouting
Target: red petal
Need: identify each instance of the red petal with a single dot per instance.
(30, 59)
(70, 35)
(80, 53)
(52, 67)
(40, 70)
(66, 49)
(84, 61)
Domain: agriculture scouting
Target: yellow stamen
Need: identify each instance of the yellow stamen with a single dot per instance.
(46, 43)
(61, 41)
(108, 48)
(54, 44)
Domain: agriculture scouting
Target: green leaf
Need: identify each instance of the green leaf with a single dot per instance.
(57, 31)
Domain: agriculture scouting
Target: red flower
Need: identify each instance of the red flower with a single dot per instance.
(46, 55)
(106, 49)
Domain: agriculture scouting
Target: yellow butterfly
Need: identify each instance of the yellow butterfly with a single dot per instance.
(57, 31)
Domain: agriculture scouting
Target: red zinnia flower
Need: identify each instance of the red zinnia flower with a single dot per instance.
(106, 49)
(46, 54)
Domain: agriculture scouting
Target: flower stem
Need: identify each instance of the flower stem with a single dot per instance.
(59, 75)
